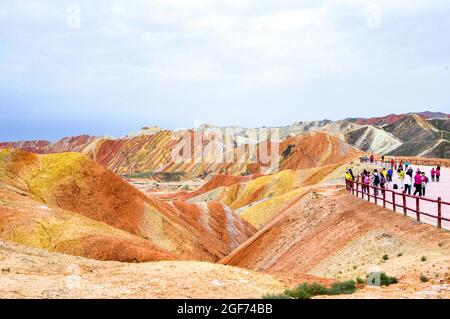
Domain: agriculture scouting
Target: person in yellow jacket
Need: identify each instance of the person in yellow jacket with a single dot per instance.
(401, 177)
(349, 180)
(348, 176)
(384, 172)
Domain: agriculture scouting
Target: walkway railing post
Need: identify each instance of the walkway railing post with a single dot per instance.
(363, 188)
(418, 209)
(393, 202)
(439, 220)
(404, 204)
(384, 198)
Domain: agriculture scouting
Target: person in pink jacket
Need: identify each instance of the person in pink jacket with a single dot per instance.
(438, 173)
(418, 184)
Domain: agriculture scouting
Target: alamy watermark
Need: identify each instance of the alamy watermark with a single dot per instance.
(73, 277)
(229, 146)
(374, 14)
(73, 17)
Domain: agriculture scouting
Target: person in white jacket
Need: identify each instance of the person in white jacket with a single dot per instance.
(408, 183)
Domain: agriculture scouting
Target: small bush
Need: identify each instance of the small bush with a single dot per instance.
(280, 296)
(424, 278)
(307, 291)
(360, 281)
(399, 254)
(424, 258)
(385, 280)
(385, 257)
(340, 288)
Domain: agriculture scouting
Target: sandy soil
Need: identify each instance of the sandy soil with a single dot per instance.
(331, 234)
(34, 273)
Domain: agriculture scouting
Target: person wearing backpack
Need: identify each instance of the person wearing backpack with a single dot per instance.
(351, 173)
(382, 183)
(424, 183)
(375, 182)
(349, 179)
(418, 184)
(389, 175)
(367, 183)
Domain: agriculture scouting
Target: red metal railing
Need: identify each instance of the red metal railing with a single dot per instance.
(424, 162)
(388, 196)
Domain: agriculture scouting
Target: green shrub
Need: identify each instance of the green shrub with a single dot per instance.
(385, 257)
(399, 254)
(307, 291)
(360, 281)
(340, 288)
(300, 292)
(385, 280)
(423, 278)
(280, 296)
(423, 258)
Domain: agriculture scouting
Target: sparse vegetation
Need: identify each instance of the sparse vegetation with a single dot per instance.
(307, 291)
(385, 280)
(424, 258)
(340, 288)
(315, 195)
(186, 187)
(385, 257)
(6, 270)
(280, 296)
(399, 254)
(360, 281)
(163, 176)
(424, 278)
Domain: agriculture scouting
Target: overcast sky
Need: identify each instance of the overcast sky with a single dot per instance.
(113, 66)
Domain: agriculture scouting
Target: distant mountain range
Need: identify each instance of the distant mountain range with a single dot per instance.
(392, 118)
(425, 134)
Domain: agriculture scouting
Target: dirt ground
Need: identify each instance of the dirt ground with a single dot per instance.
(34, 273)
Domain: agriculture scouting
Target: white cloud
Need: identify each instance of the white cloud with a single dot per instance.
(221, 50)
(289, 21)
(213, 22)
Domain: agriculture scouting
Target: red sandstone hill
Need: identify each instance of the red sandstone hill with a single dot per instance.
(77, 184)
(67, 144)
(328, 233)
(392, 118)
(315, 149)
(151, 151)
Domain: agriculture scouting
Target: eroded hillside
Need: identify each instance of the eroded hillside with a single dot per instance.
(331, 234)
(53, 187)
